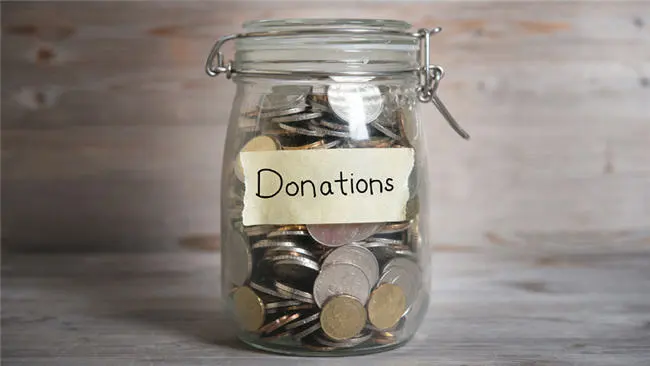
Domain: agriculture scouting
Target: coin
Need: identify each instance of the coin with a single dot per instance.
(249, 309)
(382, 252)
(358, 256)
(296, 117)
(386, 306)
(334, 126)
(386, 131)
(281, 304)
(257, 230)
(279, 322)
(307, 331)
(301, 130)
(342, 317)
(272, 243)
(293, 293)
(294, 251)
(285, 232)
(259, 143)
(351, 342)
(313, 145)
(237, 260)
(269, 291)
(406, 274)
(374, 142)
(283, 112)
(335, 235)
(407, 253)
(295, 267)
(394, 227)
(341, 279)
(299, 323)
(357, 104)
(302, 307)
(387, 241)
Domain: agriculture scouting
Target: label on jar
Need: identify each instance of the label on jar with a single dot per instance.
(329, 186)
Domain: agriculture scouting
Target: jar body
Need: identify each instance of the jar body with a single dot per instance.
(324, 251)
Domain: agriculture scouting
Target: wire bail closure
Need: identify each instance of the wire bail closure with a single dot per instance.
(429, 75)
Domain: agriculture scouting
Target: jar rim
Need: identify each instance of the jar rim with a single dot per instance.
(308, 23)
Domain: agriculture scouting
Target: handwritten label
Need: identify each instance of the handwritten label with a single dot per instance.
(328, 186)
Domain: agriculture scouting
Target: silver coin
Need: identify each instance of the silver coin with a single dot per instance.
(284, 112)
(333, 133)
(382, 252)
(406, 274)
(268, 243)
(357, 104)
(386, 131)
(307, 331)
(322, 339)
(387, 241)
(293, 293)
(341, 279)
(413, 237)
(237, 260)
(281, 304)
(296, 117)
(334, 126)
(358, 256)
(288, 233)
(292, 251)
(335, 235)
(301, 130)
(269, 291)
(303, 321)
(407, 254)
(294, 267)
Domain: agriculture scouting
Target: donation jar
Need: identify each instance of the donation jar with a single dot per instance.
(325, 242)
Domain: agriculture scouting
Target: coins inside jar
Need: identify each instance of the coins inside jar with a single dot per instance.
(324, 287)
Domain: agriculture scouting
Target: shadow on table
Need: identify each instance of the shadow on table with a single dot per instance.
(157, 295)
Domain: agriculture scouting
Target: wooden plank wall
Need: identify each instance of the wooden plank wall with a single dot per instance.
(112, 133)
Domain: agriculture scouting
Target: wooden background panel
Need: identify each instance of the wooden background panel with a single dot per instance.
(112, 134)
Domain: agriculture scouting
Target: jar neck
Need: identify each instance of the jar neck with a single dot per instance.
(380, 46)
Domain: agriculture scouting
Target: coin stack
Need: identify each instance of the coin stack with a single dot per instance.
(326, 286)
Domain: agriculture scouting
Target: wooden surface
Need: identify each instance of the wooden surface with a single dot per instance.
(545, 301)
(112, 134)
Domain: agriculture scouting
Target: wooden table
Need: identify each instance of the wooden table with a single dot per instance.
(551, 302)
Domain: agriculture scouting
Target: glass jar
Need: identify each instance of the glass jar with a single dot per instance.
(325, 248)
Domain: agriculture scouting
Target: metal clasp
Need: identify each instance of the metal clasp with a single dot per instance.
(429, 75)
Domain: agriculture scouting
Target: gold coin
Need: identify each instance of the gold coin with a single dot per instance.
(249, 308)
(386, 306)
(342, 317)
(259, 143)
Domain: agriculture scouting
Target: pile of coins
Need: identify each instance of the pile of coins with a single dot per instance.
(330, 286)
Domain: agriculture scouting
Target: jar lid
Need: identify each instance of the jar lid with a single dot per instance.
(326, 48)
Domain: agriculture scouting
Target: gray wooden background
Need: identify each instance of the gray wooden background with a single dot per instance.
(112, 134)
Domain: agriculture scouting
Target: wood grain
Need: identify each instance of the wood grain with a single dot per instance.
(112, 134)
(553, 300)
